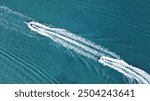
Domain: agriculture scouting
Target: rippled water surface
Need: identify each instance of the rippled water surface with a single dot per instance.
(121, 26)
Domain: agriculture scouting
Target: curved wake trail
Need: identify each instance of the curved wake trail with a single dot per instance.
(90, 50)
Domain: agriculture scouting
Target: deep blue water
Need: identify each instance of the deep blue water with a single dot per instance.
(122, 26)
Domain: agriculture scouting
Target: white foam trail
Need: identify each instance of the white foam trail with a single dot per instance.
(126, 69)
(97, 49)
(36, 27)
(66, 42)
(14, 21)
(90, 50)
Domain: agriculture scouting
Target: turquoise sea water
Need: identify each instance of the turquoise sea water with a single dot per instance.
(122, 26)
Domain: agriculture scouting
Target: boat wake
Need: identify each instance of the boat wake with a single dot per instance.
(27, 26)
(91, 50)
(126, 69)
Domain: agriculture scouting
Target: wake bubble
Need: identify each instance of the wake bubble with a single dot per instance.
(91, 50)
